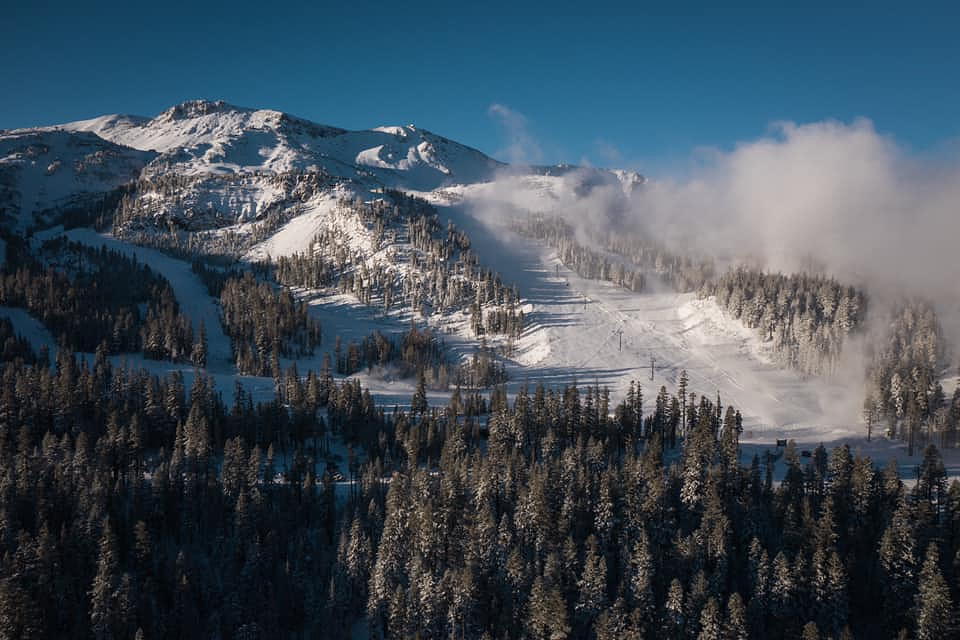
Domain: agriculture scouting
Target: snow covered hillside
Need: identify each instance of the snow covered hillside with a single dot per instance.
(584, 330)
(49, 169)
(208, 177)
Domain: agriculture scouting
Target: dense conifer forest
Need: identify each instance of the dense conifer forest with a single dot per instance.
(265, 324)
(904, 397)
(263, 378)
(13, 346)
(138, 506)
(420, 353)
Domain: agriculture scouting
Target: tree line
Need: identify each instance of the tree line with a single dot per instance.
(626, 257)
(444, 274)
(583, 260)
(904, 396)
(13, 346)
(419, 353)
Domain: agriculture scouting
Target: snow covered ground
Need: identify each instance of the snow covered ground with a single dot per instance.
(339, 315)
(296, 235)
(203, 136)
(577, 330)
(43, 169)
(574, 333)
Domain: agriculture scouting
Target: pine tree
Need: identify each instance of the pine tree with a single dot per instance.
(641, 582)
(898, 562)
(419, 402)
(935, 614)
(782, 587)
(104, 594)
(613, 624)
(710, 625)
(546, 612)
(674, 618)
(592, 584)
(735, 627)
(682, 395)
(199, 355)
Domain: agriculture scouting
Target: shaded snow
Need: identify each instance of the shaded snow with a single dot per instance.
(31, 329)
(296, 235)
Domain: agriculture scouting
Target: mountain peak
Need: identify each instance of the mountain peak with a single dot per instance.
(196, 108)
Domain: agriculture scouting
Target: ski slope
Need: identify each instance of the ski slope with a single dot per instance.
(232, 160)
(573, 335)
(592, 331)
(339, 315)
(578, 330)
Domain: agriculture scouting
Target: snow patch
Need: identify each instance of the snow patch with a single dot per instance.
(30, 329)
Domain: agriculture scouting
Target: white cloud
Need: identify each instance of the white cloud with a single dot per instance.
(521, 147)
(840, 193)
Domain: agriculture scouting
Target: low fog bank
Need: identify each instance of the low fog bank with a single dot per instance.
(840, 194)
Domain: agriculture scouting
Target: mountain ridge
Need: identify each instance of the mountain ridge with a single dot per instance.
(213, 143)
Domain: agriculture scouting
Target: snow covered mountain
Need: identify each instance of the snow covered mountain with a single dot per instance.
(204, 137)
(233, 164)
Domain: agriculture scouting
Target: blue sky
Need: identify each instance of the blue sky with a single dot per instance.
(629, 84)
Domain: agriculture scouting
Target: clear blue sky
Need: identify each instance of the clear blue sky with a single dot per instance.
(631, 83)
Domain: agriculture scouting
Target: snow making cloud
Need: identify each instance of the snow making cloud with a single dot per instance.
(841, 194)
(521, 146)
